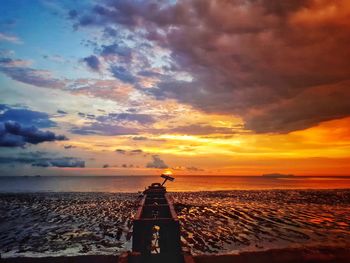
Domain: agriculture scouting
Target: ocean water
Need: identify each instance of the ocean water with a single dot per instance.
(132, 184)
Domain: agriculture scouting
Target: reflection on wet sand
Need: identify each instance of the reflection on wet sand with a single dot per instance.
(54, 224)
(65, 223)
(233, 221)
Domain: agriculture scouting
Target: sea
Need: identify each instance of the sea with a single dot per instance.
(134, 184)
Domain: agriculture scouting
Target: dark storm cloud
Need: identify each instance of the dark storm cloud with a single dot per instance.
(40, 159)
(156, 163)
(13, 134)
(92, 62)
(260, 60)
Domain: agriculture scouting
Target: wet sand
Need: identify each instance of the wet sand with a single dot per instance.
(236, 221)
(300, 255)
(65, 224)
(213, 223)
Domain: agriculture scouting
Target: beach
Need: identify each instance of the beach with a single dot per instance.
(300, 255)
(213, 223)
(174, 131)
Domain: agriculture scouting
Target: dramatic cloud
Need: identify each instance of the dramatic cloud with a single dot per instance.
(13, 134)
(316, 104)
(156, 163)
(255, 59)
(19, 126)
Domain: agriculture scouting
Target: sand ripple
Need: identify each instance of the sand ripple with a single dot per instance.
(232, 221)
(66, 223)
(56, 224)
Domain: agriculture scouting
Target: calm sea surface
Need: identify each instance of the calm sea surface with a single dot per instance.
(181, 183)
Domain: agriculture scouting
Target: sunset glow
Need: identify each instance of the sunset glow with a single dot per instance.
(199, 87)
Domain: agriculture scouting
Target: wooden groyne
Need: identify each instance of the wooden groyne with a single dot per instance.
(156, 229)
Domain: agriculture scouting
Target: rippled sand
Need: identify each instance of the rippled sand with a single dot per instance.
(234, 221)
(55, 224)
(65, 223)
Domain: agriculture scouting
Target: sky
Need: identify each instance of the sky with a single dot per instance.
(131, 87)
